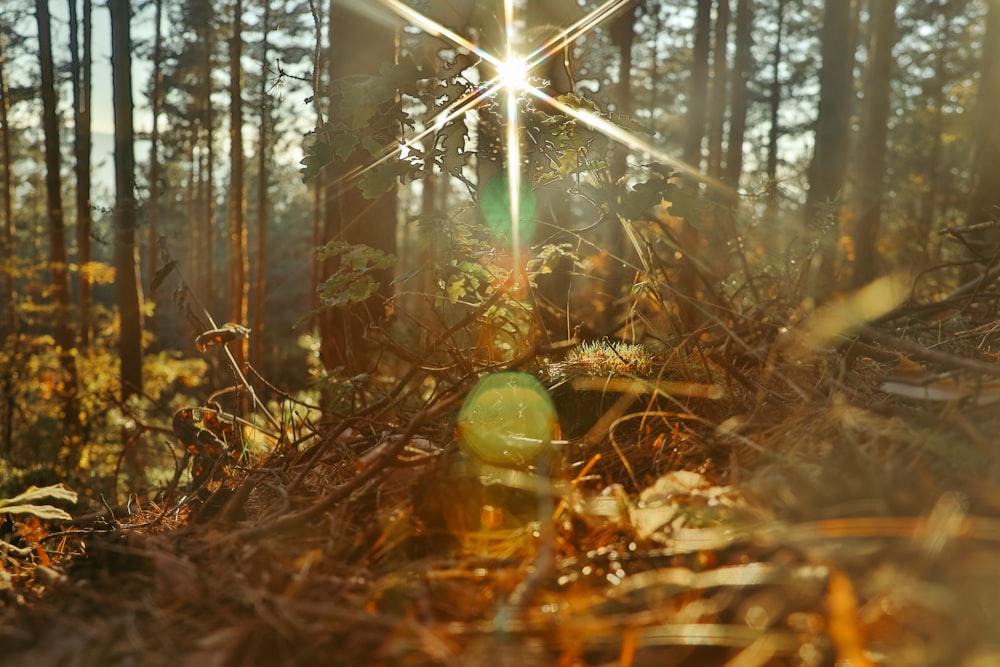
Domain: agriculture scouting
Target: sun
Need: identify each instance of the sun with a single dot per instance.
(514, 74)
(512, 78)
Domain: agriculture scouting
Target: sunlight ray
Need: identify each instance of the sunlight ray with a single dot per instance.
(435, 29)
(629, 139)
(513, 143)
(459, 107)
(513, 70)
(568, 35)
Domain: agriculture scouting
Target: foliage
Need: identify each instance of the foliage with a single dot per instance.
(352, 282)
(117, 449)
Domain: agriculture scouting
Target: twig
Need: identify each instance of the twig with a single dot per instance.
(935, 356)
(968, 290)
(392, 449)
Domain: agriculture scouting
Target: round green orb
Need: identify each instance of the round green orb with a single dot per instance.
(508, 419)
(495, 204)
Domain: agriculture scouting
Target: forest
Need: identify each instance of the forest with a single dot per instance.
(447, 332)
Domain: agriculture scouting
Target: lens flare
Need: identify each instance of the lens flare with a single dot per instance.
(512, 72)
(508, 419)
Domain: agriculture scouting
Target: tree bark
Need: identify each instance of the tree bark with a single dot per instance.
(206, 35)
(623, 36)
(82, 150)
(357, 47)
(126, 252)
(739, 97)
(64, 337)
(828, 168)
(874, 137)
(9, 297)
(719, 89)
(774, 109)
(984, 197)
(263, 200)
(698, 87)
(156, 101)
(238, 261)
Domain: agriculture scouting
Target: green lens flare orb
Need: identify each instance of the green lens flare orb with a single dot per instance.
(508, 419)
(495, 203)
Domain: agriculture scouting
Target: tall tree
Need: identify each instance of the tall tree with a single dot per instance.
(934, 94)
(873, 145)
(719, 89)
(358, 47)
(828, 168)
(156, 102)
(64, 337)
(263, 200)
(238, 260)
(80, 76)
(774, 109)
(984, 198)
(9, 295)
(698, 87)
(739, 95)
(623, 36)
(126, 252)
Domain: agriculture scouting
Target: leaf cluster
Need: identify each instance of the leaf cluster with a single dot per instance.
(353, 281)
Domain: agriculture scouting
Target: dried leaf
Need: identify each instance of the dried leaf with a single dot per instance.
(161, 274)
(47, 512)
(24, 503)
(227, 332)
(36, 493)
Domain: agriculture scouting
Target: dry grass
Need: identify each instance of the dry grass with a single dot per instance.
(825, 507)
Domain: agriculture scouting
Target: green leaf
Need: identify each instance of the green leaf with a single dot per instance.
(453, 146)
(404, 75)
(383, 178)
(317, 152)
(331, 249)
(350, 283)
(644, 196)
(342, 145)
(373, 147)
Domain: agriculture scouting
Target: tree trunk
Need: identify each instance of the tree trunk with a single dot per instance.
(698, 89)
(720, 85)
(984, 197)
(874, 137)
(828, 168)
(64, 336)
(612, 238)
(622, 36)
(192, 227)
(153, 206)
(357, 47)
(774, 108)
(8, 299)
(207, 174)
(81, 148)
(126, 252)
(238, 261)
(739, 97)
(263, 182)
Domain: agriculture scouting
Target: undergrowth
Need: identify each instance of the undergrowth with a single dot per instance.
(734, 475)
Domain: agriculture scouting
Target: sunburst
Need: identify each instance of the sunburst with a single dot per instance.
(512, 76)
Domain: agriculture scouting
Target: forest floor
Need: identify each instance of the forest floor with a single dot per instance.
(839, 507)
